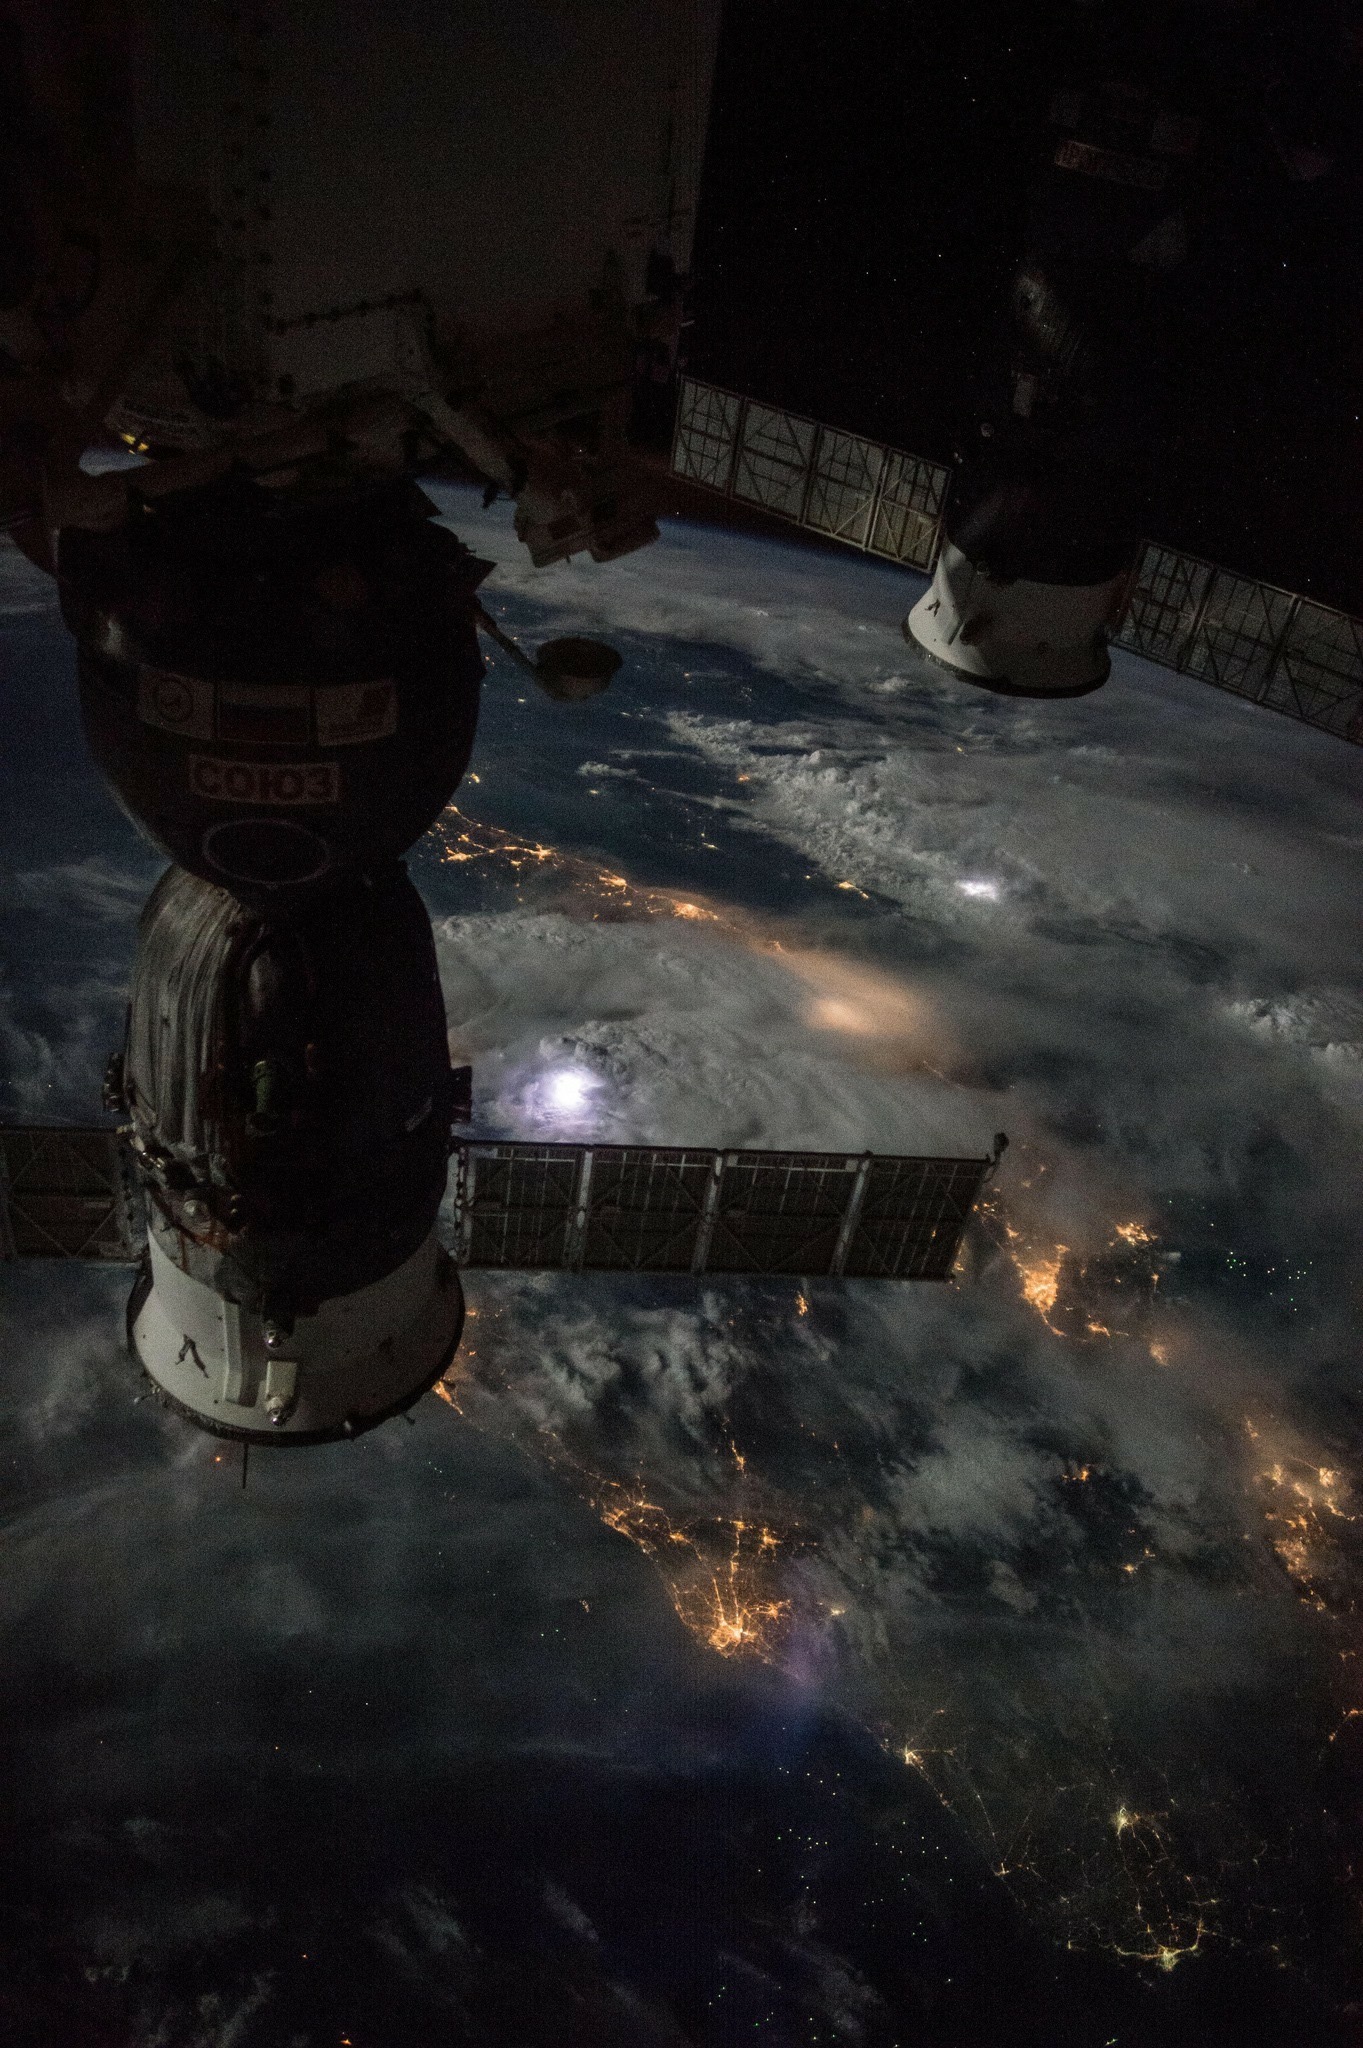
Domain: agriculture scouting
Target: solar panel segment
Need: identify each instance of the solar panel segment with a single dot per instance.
(881, 499)
(64, 1194)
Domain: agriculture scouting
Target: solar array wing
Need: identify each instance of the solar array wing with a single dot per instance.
(780, 1212)
(911, 1218)
(664, 1209)
(880, 499)
(516, 1205)
(644, 1208)
(65, 1194)
(1248, 638)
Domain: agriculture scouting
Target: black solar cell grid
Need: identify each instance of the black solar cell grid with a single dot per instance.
(63, 1194)
(912, 1217)
(523, 1204)
(779, 1213)
(645, 1208)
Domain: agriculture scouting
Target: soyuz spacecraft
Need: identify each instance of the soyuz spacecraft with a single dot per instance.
(221, 254)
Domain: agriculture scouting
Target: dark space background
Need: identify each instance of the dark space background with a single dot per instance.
(867, 175)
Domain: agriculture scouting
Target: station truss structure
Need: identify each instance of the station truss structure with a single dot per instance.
(67, 1193)
(1270, 646)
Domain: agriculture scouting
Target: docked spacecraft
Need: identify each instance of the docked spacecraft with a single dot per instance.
(288, 1089)
(282, 687)
(1047, 507)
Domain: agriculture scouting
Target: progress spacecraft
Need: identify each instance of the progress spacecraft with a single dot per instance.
(1045, 515)
(220, 255)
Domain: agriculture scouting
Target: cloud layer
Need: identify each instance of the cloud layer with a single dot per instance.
(1055, 1537)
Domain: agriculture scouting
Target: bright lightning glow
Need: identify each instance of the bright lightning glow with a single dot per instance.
(860, 1002)
(835, 1015)
(981, 887)
(562, 1097)
(568, 1090)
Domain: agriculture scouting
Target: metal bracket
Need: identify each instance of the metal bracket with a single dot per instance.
(465, 1175)
(709, 1210)
(576, 1241)
(851, 1215)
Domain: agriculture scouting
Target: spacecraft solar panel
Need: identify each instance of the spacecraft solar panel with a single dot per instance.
(852, 489)
(1165, 605)
(1241, 630)
(774, 454)
(906, 521)
(1319, 675)
(912, 1216)
(1249, 638)
(780, 1212)
(661, 1209)
(64, 1195)
(522, 1201)
(843, 487)
(707, 434)
(644, 1208)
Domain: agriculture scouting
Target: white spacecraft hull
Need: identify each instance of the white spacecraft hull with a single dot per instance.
(1020, 638)
(359, 1359)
